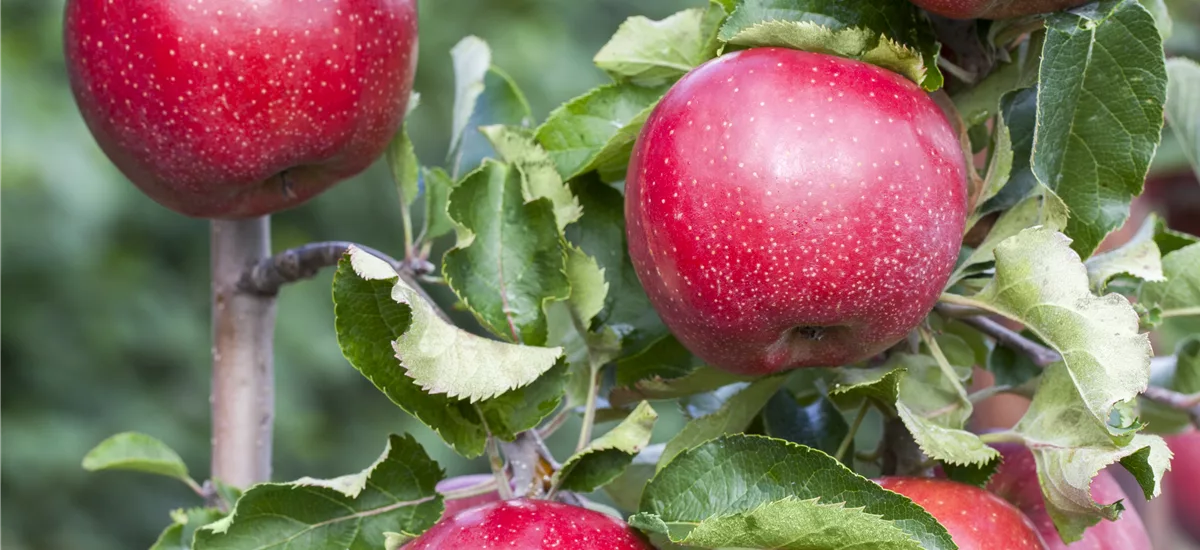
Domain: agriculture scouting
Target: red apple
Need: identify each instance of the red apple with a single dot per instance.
(1182, 483)
(976, 519)
(1017, 482)
(995, 9)
(530, 525)
(790, 209)
(454, 506)
(237, 108)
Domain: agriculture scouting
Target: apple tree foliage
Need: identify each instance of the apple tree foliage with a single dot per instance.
(1065, 110)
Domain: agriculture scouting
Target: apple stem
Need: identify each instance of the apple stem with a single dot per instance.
(1002, 437)
(497, 463)
(589, 411)
(846, 441)
(943, 363)
(243, 386)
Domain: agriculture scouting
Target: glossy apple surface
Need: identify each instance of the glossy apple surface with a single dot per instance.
(1016, 481)
(995, 9)
(237, 108)
(976, 519)
(453, 506)
(1183, 482)
(789, 209)
(530, 525)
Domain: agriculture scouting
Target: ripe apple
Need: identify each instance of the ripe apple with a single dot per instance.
(457, 505)
(790, 209)
(237, 108)
(1183, 482)
(976, 519)
(530, 525)
(995, 9)
(1016, 481)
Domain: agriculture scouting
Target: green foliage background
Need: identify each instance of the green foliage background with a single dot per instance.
(105, 294)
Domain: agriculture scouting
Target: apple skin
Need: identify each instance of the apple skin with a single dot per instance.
(789, 209)
(1183, 482)
(238, 108)
(995, 9)
(1016, 481)
(462, 482)
(976, 519)
(530, 525)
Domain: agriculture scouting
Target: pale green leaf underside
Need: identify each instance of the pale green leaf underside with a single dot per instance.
(1041, 282)
(540, 178)
(607, 456)
(138, 452)
(588, 287)
(733, 416)
(1179, 294)
(471, 58)
(855, 43)
(651, 53)
(1138, 257)
(894, 35)
(444, 359)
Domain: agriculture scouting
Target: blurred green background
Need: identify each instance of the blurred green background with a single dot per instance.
(105, 294)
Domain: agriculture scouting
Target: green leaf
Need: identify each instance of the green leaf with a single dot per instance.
(369, 319)
(600, 234)
(1138, 257)
(1070, 448)
(1041, 283)
(405, 167)
(606, 457)
(817, 424)
(539, 177)
(597, 129)
(879, 384)
(501, 103)
(1162, 17)
(665, 360)
(889, 33)
(588, 287)
(1100, 113)
(444, 359)
(138, 452)
(510, 260)
(471, 58)
(1018, 111)
(1183, 106)
(701, 380)
(185, 522)
(972, 474)
(1000, 162)
(739, 474)
(1044, 208)
(734, 416)
(352, 512)
(1179, 294)
(626, 489)
(437, 196)
(1184, 378)
(1013, 368)
(651, 53)
(1187, 368)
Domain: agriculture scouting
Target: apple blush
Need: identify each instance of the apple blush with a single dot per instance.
(789, 209)
(238, 108)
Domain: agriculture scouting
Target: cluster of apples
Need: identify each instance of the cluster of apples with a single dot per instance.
(785, 209)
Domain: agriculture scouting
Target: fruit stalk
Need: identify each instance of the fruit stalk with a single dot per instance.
(243, 388)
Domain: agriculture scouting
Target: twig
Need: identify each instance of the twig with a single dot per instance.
(1039, 354)
(268, 275)
(503, 486)
(1043, 356)
(243, 386)
(1189, 404)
